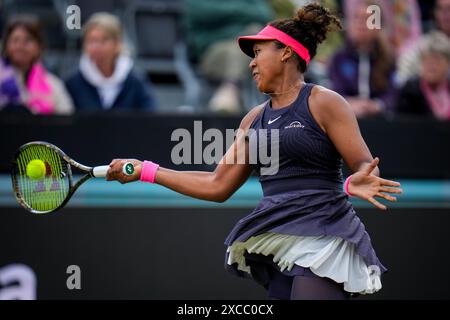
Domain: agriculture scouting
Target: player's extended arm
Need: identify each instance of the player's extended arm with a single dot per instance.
(218, 186)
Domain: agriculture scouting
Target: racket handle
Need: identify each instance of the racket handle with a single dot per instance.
(100, 171)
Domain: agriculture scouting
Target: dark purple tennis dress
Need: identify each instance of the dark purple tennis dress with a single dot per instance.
(304, 197)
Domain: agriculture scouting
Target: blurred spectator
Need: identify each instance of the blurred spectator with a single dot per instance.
(212, 28)
(401, 21)
(105, 78)
(406, 24)
(363, 71)
(408, 63)
(429, 93)
(25, 84)
(442, 16)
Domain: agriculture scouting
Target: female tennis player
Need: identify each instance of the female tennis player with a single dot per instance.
(304, 239)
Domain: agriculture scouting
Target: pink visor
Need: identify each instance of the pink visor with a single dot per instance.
(272, 33)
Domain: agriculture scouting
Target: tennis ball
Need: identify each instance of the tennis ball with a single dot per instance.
(36, 169)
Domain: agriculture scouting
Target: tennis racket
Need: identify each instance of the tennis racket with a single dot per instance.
(53, 186)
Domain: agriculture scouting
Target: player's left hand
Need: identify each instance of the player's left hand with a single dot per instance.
(115, 171)
(365, 185)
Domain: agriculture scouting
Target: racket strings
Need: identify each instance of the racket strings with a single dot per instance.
(46, 193)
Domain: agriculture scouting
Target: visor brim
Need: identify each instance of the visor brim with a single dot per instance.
(246, 43)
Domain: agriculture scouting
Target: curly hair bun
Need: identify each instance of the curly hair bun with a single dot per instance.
(315, 21)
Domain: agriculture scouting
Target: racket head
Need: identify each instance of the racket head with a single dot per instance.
(49, 192)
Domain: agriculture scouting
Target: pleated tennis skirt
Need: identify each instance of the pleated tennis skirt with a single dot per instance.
(325, 256)
(316, 229)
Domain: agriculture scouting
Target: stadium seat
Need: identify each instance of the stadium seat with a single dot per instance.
(155, 27)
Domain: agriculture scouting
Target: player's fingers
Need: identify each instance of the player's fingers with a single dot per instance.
(385, 196)
(391, 190)
(368, 170)
(110, 175)
(390, 183)
(115, 171)
(128, 179)
(125, 178)
(118, 167)
(376, 203)
(113, 162)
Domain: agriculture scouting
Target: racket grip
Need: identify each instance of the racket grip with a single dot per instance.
(100, 171)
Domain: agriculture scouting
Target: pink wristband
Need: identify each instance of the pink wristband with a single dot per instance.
(148, 171)
(347, 181)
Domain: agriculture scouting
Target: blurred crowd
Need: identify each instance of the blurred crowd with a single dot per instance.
(400, 67)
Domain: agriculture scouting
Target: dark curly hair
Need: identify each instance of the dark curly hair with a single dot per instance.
(309, 27)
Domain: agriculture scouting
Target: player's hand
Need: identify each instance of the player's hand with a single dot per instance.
(365, 185)
(115, 171)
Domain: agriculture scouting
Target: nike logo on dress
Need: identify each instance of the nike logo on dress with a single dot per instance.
(272, 121)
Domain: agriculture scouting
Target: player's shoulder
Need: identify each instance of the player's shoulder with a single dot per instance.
(323, 95)
(248, 119)
(327, 101)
